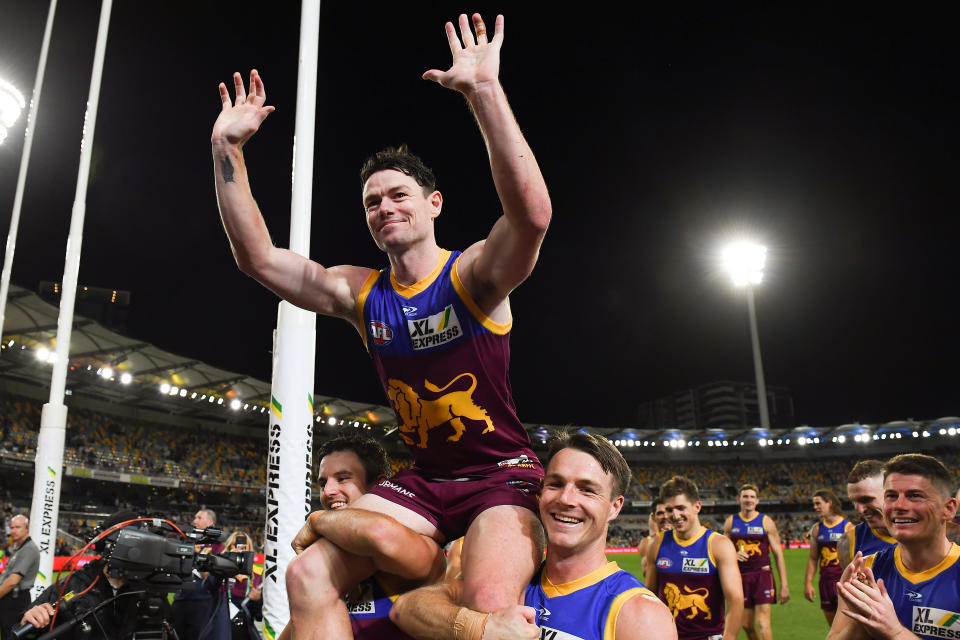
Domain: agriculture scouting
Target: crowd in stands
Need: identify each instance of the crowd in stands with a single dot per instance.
(95, 440)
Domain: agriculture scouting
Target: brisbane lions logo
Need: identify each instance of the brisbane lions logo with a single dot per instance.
(693, 599)
(828, 556)
(751, 548)
(421, 415)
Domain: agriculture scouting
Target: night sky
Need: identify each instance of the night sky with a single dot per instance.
(826, 133)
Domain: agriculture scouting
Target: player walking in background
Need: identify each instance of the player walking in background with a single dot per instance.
(865, 490)
(657, 522)
(911, 590)
(694, 570)
(824, 537)
(754, 536)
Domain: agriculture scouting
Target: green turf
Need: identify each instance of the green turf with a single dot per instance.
(796, 620)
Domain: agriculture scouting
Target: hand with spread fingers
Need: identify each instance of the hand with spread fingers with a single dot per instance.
(869, 604)
(476, 60)
(240, 119)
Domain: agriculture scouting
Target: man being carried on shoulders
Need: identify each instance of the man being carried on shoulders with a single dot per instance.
(436, 324)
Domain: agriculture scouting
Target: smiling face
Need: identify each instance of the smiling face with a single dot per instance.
(399, 214)
(867, 498)
(748, 500)
(914, 510)
(342, 479)
(683, 514)
(660, 517)
(576, 505)
(821, 506)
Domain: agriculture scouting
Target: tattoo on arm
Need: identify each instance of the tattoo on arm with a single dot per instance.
(226, 168)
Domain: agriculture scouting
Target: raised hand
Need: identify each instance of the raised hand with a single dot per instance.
(239, 120)
(476, 62)
(870, 605)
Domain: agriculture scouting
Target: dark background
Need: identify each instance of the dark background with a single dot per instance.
(826, 133)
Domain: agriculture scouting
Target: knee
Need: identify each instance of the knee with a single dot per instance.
(308, 580)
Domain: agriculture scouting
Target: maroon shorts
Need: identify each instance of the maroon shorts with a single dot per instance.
(828, 593)
(452, 505)
(758, 588)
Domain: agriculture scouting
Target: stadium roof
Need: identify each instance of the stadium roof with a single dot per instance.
(109, 366)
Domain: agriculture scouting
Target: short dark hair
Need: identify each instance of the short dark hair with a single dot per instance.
(609, 457)
(677, 486)
(656, 502)
(399, 159)
(865, 469)
(917, 464)
(829, 496)
(371, 453)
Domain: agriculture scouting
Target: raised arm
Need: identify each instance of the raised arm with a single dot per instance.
(493, 268)
(813, 561)
(393, 548)
(726, 559)
(773, 537)
(291, 276)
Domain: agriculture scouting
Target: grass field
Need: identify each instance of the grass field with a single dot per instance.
(796, 620)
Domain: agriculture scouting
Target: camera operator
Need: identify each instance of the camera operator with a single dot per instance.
(93, 586)
(200, 610)
(244, 592)
(17, 578)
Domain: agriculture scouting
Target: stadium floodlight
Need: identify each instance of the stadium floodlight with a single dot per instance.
(234, 404)
(174, 390)
(165, 388)
(106, 373)
(193, 396)
(744, 261)
(210, 399)
(331, 421)
(801, 440)
(126, 377)
(926, 434)
(11, 105)
(11, 343)
(42, 354)
(763, 442)
(246, 406)
(943, 431)
(183, 393)
(219, 400)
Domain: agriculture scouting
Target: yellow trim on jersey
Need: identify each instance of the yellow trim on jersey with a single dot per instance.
(610, 626)
(656, 555)
(745, 521)
(889, 539)
(690, 541)
(408, 291)
(868, 561)
(362, 300)
(482, 318)
(710, 539)
(921, 576)
(853, 544)
(556, 590)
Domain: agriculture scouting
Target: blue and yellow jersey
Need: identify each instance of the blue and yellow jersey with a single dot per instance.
(444, 366)
(868, 540)
(585, 609)
(750, 536)
(928, 602)
(827, 539)
(369, 607)
(688, 582)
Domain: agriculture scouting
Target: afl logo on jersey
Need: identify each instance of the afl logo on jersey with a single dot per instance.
(664, 563)
(381, 333)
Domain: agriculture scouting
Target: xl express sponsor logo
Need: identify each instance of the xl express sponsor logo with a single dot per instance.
(938, 623)
(696, 565)
(434, 330)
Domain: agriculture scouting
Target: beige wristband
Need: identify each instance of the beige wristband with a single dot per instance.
(469, 624)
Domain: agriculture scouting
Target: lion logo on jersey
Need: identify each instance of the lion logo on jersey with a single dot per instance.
(751, 548)
(693, 599)
(421, 415)
(828, 556)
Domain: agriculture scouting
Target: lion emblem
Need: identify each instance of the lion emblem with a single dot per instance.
(828, 556)
(422, 415)
(693, 599)
(751, 548)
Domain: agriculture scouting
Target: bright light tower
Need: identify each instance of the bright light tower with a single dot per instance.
(744, 262)
(11, 104)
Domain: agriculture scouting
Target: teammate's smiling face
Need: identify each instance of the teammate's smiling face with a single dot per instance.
(575, 504)
(660, 517)
(684, 515)
(913, 509)
(399, 214)
(342, 479)
(748, 500)
(867, 498)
